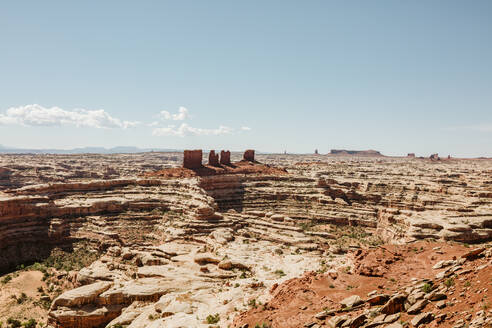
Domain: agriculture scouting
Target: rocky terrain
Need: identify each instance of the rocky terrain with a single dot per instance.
(134, 240)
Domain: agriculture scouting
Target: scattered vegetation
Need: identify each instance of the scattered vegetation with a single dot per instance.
(280, 273)
(6, 279)
(22, 298)
(213, 318)
(68, 261)
(449, 282)
(263, 325)
(31, 323)
(427, 288)
(14, 323)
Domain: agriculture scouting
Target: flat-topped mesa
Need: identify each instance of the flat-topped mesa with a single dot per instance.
(192, 159)
(412, 155)
(249, 155)
(213, 158)
(225, 157)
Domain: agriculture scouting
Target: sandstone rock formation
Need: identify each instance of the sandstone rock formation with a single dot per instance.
(179, 249)
(225, 157)
(213, 159)
(249, 155)
(434, 157)
(192, 159)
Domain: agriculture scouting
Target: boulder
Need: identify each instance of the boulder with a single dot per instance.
(80, 296)
(417, 307)
(422, 318)
(351, 301)
(206, 258)
(378, 299)
(394, 305)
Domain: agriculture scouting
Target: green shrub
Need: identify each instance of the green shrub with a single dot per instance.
(31, 323)
(213, 318)
(6, 279)
(13, 323)
(22, 298)
(427, 288)
(449, 282)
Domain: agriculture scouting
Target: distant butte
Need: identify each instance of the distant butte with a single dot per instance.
(369, 152)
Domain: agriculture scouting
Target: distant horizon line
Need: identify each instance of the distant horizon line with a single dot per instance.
(135, 149)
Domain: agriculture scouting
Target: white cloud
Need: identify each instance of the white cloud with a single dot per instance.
(180, 116)
(36, 115)
(186, 130)
(245, 128)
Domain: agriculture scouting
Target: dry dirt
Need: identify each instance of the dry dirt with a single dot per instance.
(296, 302)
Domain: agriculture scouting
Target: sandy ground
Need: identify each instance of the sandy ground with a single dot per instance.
(26, 282)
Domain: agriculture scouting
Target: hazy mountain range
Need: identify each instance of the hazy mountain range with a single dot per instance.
(84, 150)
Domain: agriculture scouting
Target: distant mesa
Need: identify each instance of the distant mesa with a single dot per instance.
(369, 152)
(412, 155)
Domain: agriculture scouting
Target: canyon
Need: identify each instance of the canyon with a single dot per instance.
(192, 246)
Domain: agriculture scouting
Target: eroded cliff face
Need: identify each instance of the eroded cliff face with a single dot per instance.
(176, 250)
(404, 200)
(34, 219)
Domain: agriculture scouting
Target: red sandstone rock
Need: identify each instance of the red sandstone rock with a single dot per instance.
(192, 159)
(249, 155)
(225, 157)
(213, 158)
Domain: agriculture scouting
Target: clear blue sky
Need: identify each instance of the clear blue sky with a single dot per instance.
(396, 76)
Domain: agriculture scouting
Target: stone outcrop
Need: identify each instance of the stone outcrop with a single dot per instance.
(418, 295)
(249, 155)
(213, 158)
(192, 159)
(176, 241)
(34, 219)
(225, 157)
